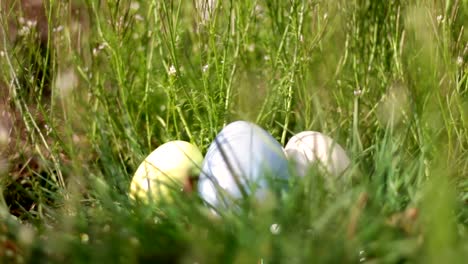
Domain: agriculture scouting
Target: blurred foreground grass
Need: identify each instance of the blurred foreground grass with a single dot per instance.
(115, 79)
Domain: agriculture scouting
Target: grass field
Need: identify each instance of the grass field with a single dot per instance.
(112, 80)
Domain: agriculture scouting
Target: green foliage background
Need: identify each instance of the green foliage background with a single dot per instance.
(386, 79)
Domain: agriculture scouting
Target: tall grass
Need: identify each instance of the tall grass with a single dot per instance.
(386, 79)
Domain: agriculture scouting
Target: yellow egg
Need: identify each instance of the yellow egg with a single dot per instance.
(170, 167)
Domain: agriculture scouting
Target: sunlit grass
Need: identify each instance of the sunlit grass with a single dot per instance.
(386, 79)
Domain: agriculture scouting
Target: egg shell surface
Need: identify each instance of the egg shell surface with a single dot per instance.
(307, 148)
(166, 168)
(242, 154)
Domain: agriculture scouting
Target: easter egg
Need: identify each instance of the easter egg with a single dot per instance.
(172, 166)
(310, 148)
(243, 160)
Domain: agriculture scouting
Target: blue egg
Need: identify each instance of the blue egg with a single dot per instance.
(243, 160)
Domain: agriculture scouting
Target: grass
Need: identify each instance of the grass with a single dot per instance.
(386, 79)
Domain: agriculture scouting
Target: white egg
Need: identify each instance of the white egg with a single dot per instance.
(170, 166)
(309, 148)
(242, 158)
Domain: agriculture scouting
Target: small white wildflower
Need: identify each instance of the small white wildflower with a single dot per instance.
(275, 229)
(48, 129)
(58, 29)
(2, 53)
(325, 16)
(205, 68)
(120, 22)
(459, 61)
(440, 19)
(362, 256)
(21, 20)
(251, 47)
(31, 23)
(24, 31)
(266, 57)
(139, 17)
(134, 6)
(172, 70)
(357, 92)
(258, 8)
(84, 238)
(99, 48)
